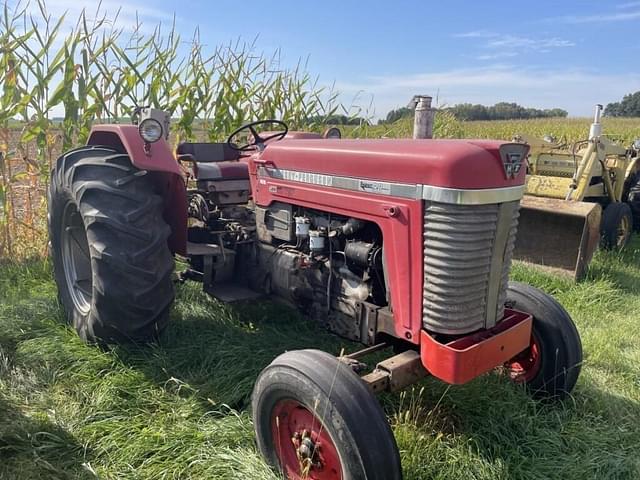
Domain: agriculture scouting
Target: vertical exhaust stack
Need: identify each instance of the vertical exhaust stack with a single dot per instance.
(424, 116)
(596, 127)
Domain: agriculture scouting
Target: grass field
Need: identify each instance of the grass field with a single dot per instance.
(179, 409)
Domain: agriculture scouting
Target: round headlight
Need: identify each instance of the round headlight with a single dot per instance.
(150, 130)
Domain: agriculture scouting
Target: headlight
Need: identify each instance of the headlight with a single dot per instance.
(150, 130)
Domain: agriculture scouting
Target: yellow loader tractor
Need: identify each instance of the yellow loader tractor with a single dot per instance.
(578, 196)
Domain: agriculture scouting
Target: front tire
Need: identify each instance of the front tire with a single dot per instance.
(109, 247)
(314, 418)
(617, 226)
(631, 196)
(551, 365)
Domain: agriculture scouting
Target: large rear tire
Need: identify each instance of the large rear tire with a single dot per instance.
(109, 247)
(315, 419)
(551, 365)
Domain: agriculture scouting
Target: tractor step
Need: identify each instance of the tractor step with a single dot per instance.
(230, 292)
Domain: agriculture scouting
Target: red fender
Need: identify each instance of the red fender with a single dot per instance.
(161, 163)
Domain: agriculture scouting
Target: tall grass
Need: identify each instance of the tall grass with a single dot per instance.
(59, 76)
(179, 409)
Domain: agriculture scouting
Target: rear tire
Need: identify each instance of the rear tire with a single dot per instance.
(617, 226)
(312, 391)
(551, 365)
(109, 247)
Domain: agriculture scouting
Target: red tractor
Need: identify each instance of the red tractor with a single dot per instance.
(402, 245)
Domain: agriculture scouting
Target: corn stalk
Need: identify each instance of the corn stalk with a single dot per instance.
(60, 75)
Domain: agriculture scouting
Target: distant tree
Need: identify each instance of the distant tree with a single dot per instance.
(499, 111)
(557, 112)
(395, 115)
(628, 107)
(613, 110)
(467, 111)
(502, 111)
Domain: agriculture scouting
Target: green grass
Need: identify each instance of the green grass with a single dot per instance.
(179, 409)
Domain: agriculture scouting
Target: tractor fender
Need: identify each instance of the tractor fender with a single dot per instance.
(160, 162)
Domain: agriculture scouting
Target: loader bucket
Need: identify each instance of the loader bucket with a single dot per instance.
(559, 235)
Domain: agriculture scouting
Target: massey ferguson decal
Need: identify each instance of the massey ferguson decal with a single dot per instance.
(512, 164)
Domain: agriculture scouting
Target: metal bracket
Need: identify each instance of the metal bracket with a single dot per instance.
(396, 373)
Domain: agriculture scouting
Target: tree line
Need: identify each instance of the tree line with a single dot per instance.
(499, 111)
(629, 106)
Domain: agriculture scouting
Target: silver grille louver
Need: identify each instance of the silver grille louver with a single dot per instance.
(467, 257)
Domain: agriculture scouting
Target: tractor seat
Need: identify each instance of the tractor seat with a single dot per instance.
(208, 152)
(222, 171)
(213, 161)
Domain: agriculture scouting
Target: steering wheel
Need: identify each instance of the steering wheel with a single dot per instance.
(258, 140)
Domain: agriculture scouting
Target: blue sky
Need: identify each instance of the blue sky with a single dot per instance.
(570, 54)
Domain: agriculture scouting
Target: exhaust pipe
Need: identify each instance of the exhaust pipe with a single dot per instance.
(424, 116)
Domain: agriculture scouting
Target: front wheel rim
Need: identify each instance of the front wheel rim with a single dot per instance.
(76, 259)
(524, 367)
(624, 229)
(303, 446)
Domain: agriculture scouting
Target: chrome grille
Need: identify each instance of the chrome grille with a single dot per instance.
(467, 256)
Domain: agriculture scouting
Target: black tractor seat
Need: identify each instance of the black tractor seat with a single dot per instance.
(208, 152)
(213, 161)
(222, 171)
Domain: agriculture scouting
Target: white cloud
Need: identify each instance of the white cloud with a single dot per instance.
(476, 34)
(496, 56)
(503, 45)
(600, 18)
(525, 43)
(572, 89)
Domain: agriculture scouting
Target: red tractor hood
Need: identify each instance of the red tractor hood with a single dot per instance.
(464, 164)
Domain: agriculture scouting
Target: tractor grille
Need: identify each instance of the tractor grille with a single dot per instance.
(467, 256)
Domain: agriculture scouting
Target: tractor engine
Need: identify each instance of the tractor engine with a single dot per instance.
(326, 265)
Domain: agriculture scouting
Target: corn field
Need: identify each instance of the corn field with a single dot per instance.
(57, 81)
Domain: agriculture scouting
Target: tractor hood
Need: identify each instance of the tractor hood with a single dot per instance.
(462, 164)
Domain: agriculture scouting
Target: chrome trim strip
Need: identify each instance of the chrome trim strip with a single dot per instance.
(403, 190)
(472, 197)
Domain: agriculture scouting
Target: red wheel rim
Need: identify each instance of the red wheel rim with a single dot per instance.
(525, 366)
(303, 446)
